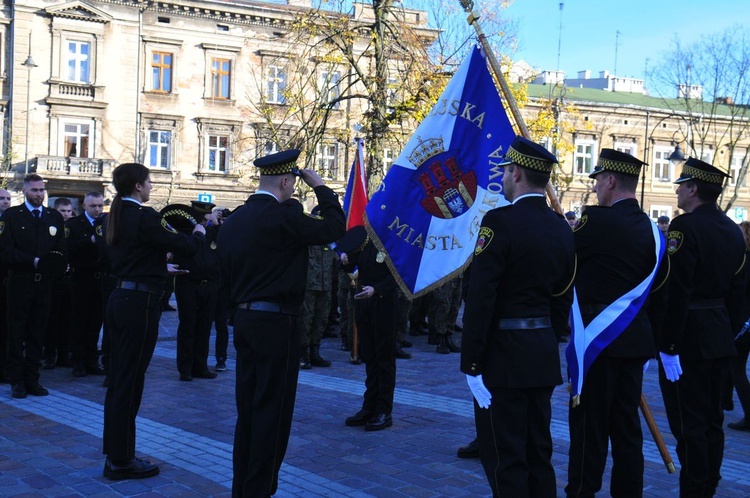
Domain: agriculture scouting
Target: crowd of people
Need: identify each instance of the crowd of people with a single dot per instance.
(620, 289)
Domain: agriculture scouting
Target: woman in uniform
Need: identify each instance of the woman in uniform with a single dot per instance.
(138, 239)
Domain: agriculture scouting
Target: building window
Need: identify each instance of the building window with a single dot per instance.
(270, 148)
(626, 147)
(159, 148)
(275, 85)
(76, 139)
(387, 159)
(161, 72)
(218, 153)
(329, 87)
(392, 94)
(583, 157)
(78, 58)
(735, 168)
(327, 159)
(221, 72)
(662, 166)
(660, 210)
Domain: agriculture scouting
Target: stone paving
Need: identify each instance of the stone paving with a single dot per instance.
(51, 446)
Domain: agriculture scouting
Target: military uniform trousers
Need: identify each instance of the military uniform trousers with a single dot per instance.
(221, 324)
(133, 318)
(696, 421)
(515, 445)
(58, 332)
(608, 412)
(88, 318)
(28, 305)
(443, 308)
(376, 326)
(316, 309)
(196, 305)
(268, 353)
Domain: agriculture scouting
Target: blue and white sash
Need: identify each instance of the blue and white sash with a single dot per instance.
(587, 342)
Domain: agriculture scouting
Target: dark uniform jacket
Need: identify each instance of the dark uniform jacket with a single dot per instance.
(707, 252)
(616, 252)
(263, 246)
(84, 254)
(22, 238)
(372, 270)
(142, 230)
(525, 256)
(205, 263)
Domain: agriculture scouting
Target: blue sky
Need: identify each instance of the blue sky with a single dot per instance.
(647, 28)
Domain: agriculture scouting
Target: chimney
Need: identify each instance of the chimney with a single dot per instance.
(584, 75)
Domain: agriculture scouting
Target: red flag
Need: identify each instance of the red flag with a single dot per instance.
(355, 199)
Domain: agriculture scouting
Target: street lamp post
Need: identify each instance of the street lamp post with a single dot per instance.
(29, 65)
(676, 158)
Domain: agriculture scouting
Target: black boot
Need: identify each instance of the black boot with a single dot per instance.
(452, 345)
(315, 358)
(304, 359)
(433, 339)
(442, 346)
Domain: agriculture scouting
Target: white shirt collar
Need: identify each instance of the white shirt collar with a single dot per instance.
(533, 194)
(267, 193)
(91, 220)
(131, 200)
(32, 208)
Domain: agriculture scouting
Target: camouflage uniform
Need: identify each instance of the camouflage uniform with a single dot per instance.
(317, 305)
(442, 314)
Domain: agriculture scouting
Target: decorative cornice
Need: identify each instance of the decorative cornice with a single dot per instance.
(80, 11)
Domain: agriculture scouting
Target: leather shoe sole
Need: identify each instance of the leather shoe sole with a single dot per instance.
(471, 450)
(18, 391)
(136, 469)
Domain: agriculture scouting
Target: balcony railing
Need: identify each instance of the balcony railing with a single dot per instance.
(74, 166)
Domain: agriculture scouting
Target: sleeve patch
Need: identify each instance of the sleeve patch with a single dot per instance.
(485, 237)
(674, 241)
(98, 231)
(2, 227)
(67, 232)
(166, 226)
(581, 221)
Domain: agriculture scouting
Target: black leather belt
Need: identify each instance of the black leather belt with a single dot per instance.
(141, 287)
(542, 322)
(706, 304)
(284, 309)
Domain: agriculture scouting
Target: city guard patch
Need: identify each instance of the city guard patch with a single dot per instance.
(98, 231)
(67, 232)
(167, 226)
(582, 221)
(2, 227)
(52, 231)
(315, 216)
(213, 245)
(674, 241)
(485, 237)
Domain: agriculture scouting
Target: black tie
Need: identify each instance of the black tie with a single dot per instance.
(36, 214)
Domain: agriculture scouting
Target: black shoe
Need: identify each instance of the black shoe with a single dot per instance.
(405, 344)
(742, 425)
(206, 374)
(18, 391)
(95, 370)
(355, 360)
(471, 450)
(79, 370)
(186, 377)
(360, 418)
(136, 469)
(442, 346)
(315, 359)
(48, 364)
(36, 389)
(304, 359)
(221, 365)
(454, 348)
(401, 354)
(379, 422)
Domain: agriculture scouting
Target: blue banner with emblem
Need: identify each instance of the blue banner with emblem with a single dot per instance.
(426, 214)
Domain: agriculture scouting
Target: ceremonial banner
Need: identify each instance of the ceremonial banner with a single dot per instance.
(587, 342)
(355, 198)
(427, 212)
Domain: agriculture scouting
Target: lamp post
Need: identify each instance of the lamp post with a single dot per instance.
(676, 158)
(29, 65)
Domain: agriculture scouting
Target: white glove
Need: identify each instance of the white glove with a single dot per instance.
(645, 366)
(480, 392)
(671, 364)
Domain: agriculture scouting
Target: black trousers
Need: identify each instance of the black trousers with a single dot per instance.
(57, 333)
(196, 304)
(739, 374)
(268, 352)
(88, 317)
(696, 419)
(28, 306)
(133, 318)
(3, 327)
(608, 412)
(221, 324)
(376, 325)
(108, 284)
(515, 444)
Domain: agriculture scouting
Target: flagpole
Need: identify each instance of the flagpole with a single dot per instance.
(473, 19)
